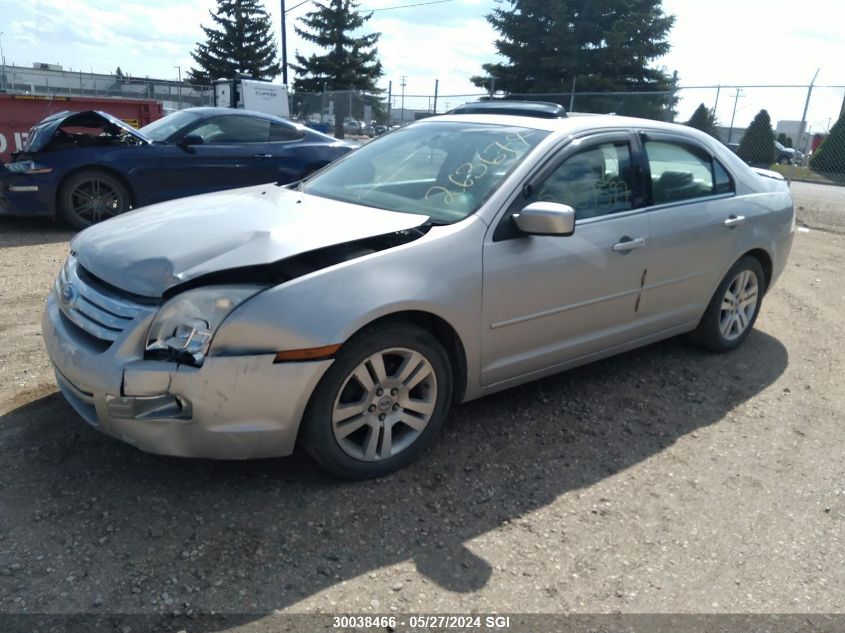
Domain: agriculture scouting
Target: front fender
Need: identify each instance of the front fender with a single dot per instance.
(440, 274)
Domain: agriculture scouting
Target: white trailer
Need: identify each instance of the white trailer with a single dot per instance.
(250, 94)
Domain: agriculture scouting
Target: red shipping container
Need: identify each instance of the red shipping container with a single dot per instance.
(18, 113)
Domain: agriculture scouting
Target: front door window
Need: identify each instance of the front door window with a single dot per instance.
(597, 181)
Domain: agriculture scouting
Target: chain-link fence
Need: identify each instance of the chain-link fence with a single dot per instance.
(350, 112)
(797, 136)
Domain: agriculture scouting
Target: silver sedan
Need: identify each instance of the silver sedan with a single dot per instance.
(449, 259)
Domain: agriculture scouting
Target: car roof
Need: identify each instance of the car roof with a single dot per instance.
(207, 111)
(573, 123)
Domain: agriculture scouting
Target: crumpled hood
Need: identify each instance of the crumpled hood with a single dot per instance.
(155, 248)
(43, 131)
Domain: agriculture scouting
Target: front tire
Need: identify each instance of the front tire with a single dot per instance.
(380, 404)
(90, 196)
(733, 310)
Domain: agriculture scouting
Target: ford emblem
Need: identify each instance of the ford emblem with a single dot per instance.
(67, 294)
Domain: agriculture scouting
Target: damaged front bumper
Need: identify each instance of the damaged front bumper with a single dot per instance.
(22, 194)
(233, 407)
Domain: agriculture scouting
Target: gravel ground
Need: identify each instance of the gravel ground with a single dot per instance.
(820, 206)
(666, 480)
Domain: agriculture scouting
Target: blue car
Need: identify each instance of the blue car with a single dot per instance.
(90, 166)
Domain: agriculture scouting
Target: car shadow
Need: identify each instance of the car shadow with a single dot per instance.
(27, 231)
(251, 537)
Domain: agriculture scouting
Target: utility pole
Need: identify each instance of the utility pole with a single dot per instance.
(800, 144)
(284, 47)
(733, 116)
(3, 59)
(389, 99)
(572, 96)
(179, 86)
(403, 84)
(436, 86)
(716, 105)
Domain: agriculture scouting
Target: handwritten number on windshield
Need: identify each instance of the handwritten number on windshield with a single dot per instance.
(468, 174)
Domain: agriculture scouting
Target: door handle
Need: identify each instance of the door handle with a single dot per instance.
(262, 156)
(734, 220)
(626, 244)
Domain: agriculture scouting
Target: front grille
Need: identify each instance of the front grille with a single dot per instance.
(93, 308)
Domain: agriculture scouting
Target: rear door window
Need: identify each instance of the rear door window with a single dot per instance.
(681, 171)
(678, 172)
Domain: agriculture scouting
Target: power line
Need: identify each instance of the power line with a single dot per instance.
(398, 6)
(405, 6)
(297, 5)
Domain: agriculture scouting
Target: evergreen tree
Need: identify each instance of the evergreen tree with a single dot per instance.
(600, 45)
(785, 140)
(757, 147)
(703, 119)
(118, 73)
(349, 63)
(829, 158)
(241, 44)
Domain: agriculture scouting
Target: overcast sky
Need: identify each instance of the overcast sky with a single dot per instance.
(718, 41)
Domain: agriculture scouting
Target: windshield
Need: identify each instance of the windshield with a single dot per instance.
(444, 170)
(163, 129)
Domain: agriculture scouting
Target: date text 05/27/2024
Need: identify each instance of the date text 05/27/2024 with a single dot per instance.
(422, 622)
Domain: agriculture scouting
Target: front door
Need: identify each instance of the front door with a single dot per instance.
(236, 152)
(550, 300)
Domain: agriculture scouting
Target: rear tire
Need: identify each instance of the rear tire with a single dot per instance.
(380, 404)
(733, 310)
(90, 196)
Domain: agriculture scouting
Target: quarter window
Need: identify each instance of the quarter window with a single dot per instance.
(594, 182)
(281, 133)
(723, 182)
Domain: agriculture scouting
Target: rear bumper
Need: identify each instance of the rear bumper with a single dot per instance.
(236, 407)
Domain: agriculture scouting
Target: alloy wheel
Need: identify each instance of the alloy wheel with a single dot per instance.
(739, 304)
(384, 404)
(95, 200)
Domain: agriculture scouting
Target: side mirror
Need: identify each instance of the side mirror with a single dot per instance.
(191, 139)
(546, 218)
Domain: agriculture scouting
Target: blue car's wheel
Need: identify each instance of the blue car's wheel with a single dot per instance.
(90, 196)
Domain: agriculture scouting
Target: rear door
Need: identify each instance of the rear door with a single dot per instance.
(549, 300)
(695, 221)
